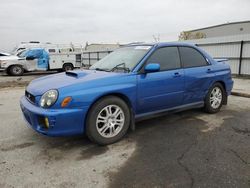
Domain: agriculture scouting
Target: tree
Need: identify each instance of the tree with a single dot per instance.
(188, 35)
(184, 35)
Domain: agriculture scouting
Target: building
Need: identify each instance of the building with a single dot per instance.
(101, 47)
(230, 41)
(227, 29)
(94, 52)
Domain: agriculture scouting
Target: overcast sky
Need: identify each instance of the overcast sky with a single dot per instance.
(111, 21)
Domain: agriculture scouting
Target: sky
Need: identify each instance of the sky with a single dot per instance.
(110, 21)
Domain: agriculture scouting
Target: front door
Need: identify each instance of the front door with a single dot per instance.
(163, 89)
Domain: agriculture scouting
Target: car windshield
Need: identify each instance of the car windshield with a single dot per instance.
(125, 58)
(22, 53)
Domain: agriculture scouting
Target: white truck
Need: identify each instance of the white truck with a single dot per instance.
(42, 59)
(36, 44)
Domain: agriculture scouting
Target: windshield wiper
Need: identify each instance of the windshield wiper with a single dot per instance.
(126, 69)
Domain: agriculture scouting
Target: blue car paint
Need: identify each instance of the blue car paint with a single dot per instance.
(62, 121)
(159, 90)
(145, 94)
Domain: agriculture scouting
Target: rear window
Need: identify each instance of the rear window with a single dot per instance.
(190, 57)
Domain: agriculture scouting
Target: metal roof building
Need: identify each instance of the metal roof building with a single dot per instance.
(227, 29)
(230, 41)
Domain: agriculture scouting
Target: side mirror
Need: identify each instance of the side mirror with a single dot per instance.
(152, 67)
(30, 58)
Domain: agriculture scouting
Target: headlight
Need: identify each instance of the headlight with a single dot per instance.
(49, 98)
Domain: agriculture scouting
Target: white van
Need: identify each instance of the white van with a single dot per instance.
(36, 44)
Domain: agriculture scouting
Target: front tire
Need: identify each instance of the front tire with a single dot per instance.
(214, 98)
(68, 67)
(15, 70)
(108, 120)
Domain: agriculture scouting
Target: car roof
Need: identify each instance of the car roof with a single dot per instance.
(162, 44)
(36, 49)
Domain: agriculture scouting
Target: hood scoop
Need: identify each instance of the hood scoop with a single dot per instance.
(70, 73)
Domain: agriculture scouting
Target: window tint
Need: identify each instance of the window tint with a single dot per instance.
(167, 57)
(191, 57)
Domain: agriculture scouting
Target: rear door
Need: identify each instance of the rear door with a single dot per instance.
(198, 74)
(163, 89)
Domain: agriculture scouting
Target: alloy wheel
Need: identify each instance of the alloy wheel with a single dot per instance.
(216, 98)
(110, 121)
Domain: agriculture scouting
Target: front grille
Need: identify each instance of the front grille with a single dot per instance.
(30, 97)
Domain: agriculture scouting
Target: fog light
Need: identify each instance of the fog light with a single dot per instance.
(46, 121)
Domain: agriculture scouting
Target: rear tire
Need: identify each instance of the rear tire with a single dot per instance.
(15, 70)
(214, 98)
(108, 120)
(68, 67)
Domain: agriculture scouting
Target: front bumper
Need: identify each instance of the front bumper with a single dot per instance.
(2, 69)
(62, 122)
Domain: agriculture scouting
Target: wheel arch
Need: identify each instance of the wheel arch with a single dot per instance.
(68, 63)
(225, 90)
(222, 83)
(11, 65)
(116, 94)
(15, 65)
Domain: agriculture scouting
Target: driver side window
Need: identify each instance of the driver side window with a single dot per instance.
(167, 57)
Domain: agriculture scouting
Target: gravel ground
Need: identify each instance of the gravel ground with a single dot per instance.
(19, 81)
(242, 85)
(187, 149)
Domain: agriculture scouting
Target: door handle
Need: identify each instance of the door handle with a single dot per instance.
(209, 70)
(177, 74)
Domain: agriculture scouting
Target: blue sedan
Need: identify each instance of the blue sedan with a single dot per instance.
(132, 83)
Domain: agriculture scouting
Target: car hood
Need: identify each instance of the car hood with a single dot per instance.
(10, 57)
(57, 81)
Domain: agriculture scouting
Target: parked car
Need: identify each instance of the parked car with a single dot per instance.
(7, 56)
(132, 83)
(5, 59)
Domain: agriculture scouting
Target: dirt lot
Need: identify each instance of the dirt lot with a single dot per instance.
(188, 149)
(18, 81)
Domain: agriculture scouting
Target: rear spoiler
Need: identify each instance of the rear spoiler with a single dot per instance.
(221, 60)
